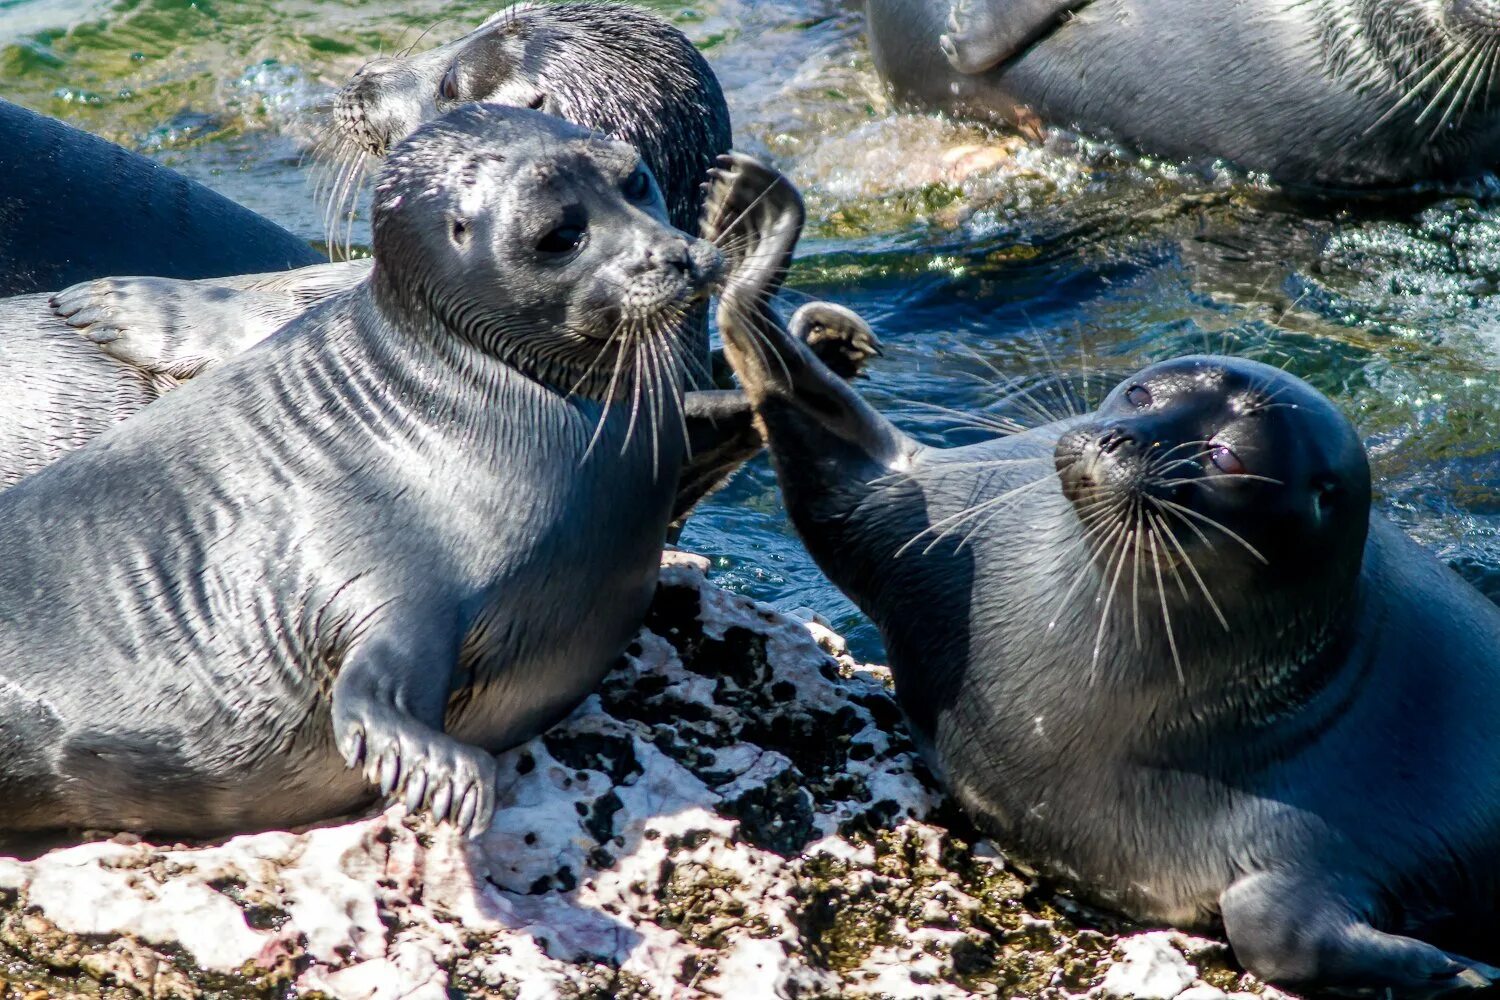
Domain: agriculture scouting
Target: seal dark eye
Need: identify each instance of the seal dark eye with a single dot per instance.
(1138, 396)
(535, 104)
(637, 186)
(449, 87)
(563, 239)
(1226, 461)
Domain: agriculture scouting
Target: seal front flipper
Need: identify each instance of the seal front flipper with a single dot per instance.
(388, 706)
(982, 34)
(1289, 931)
(178, 328)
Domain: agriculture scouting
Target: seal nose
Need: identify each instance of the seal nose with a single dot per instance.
(1477, 15)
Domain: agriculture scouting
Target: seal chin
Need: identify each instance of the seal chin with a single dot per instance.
(1476, 17)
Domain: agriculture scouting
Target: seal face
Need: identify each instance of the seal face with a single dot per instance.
(339, 573)
(1329, 93)
(609, 67)
(1165, 652)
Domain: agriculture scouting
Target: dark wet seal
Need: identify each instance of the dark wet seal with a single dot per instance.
(1164, 651)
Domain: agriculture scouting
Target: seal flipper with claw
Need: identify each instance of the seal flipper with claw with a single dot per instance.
(172, 329)
(388, 711)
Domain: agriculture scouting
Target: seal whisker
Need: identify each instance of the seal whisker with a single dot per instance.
(1439, 64)
(953, 521)
(1166, 615)
(1117, 561)
(1204, 518)
(1192, 568)
(1095, 522)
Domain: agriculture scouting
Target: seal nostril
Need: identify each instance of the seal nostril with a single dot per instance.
(1117, 440)
(674, 256)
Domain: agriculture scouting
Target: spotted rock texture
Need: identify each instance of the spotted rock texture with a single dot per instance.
(738, 812)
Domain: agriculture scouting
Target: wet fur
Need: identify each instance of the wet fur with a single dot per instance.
(1324, 767)
(1310, 91)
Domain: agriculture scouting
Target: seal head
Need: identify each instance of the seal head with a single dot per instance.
(543, 245)
(1222, 461)
(608, 67)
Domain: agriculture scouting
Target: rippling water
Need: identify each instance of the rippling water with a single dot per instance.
(972, 253)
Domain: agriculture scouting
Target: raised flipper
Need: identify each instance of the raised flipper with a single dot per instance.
(759, 209)
(1291, 930)
(721, 422)
(982, 34)
(174, 329)
(388, 706)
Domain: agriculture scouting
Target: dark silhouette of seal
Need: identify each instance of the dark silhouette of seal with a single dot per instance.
(1321, 93)
(1164, 650)
(416, 525)
(74, 206)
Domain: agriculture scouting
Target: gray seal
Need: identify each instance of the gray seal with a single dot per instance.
(415, 526)
(1318, 93)
(1165, 652)
(68, 199)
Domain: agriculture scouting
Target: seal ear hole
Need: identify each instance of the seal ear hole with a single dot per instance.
(1326, 491)
(449, 87)
(459, 231)
(535, 104)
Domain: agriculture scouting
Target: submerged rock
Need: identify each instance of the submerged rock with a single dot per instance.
(738, 812)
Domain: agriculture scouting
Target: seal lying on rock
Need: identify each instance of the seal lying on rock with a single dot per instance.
(1164, 650)
(416, 525)
(1341, 93)
(74, 206)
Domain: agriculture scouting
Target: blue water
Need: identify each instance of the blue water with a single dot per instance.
(969, 251)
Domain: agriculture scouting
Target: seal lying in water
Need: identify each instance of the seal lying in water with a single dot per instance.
(69, 200)
(1165, 651)
(608, 67)
(343, 546)
(163, 331)
(1340, 93)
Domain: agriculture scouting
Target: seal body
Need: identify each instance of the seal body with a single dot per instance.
(342, 547)
(74, 207)
(1165, 652)
(1326, 93)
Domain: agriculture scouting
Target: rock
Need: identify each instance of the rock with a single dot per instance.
(737, 812)
(1150, 968)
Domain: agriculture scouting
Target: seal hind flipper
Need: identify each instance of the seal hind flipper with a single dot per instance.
(1289, 929)
(982, 34)
(179, 328)
(388, 707)
(753, 206)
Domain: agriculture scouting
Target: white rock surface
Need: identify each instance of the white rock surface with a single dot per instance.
(736, 813)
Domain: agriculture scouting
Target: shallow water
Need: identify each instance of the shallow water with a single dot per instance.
(972, 253)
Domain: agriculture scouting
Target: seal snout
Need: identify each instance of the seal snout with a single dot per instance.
(370, 111)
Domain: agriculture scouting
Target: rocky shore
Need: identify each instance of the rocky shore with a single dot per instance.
(738, 812)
